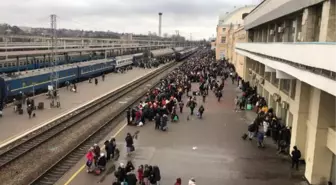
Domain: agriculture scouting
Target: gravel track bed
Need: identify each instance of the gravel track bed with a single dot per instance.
(31, 165)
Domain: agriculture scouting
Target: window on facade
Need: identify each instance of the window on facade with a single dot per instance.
(267, 76)
(293, 89)
(223, 40)
(274, 80)
(262, 69)
(285, 85)
(223, 29)
(283, 115)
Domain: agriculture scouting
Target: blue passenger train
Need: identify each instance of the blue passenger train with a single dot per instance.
(31, 63)
(36, 81)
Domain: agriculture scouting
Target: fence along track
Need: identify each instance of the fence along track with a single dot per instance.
(56, 171)
(27, 145)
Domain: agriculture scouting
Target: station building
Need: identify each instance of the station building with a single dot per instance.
(228, 23)
(289, 53)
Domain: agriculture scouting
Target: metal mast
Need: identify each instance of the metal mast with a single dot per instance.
(53, 74)
(160, 23)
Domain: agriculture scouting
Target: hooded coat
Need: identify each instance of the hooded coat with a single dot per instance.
(131, 178)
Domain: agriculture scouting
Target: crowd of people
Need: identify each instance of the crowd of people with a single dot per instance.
(266, 124)
(144, 175)
(165, 103)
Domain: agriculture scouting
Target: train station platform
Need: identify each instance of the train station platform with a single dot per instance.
(210, 150)
(13, 125)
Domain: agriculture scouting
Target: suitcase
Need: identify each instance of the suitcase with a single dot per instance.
(244, 136)
(20, 111)
(40, 105)
(97, 171)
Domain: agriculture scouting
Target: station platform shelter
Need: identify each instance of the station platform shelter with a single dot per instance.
(305, 101)
(13, 125)
(210, 149)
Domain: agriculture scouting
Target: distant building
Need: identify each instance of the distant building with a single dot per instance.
(227, 23)
(126, 36)
(26, 29)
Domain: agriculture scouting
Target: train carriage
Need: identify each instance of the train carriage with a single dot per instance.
(38, 80)
(185, 53)
(123, 61)
(95, 68)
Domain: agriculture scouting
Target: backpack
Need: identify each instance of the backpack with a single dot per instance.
(299, 154)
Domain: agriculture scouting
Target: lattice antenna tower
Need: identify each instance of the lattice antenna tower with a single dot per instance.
(53, 26)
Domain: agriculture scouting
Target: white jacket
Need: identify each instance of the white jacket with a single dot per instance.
(191, 183)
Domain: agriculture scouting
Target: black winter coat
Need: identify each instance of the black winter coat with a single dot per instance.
(131, 179)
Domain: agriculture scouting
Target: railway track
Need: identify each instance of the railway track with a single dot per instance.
(52, 174)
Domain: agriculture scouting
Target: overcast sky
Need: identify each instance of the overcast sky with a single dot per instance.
(198, 17)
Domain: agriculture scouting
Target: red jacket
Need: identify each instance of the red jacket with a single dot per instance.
(89, 156)
(140, 175)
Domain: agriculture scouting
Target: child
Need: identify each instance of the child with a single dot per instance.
(89, 160)
(140, 175)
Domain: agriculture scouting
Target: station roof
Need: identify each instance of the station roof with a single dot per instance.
(41, 52)
(269, 10)
(124, 57)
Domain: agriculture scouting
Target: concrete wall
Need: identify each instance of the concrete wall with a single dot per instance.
(221, 48)
(239, 36)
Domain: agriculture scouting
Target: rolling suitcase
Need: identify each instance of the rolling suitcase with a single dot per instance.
(20, 111)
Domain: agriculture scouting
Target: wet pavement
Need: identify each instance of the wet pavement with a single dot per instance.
(210, 150)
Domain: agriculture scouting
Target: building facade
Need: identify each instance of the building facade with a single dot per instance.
(238, 36)
(290, 57)
(227, 24)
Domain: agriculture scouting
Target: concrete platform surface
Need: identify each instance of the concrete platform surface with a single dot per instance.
(210, 150)
(12, 124)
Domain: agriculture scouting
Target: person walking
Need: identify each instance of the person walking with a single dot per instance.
(128, 116)
(296, 155)
(129, 143)
(200, 111)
